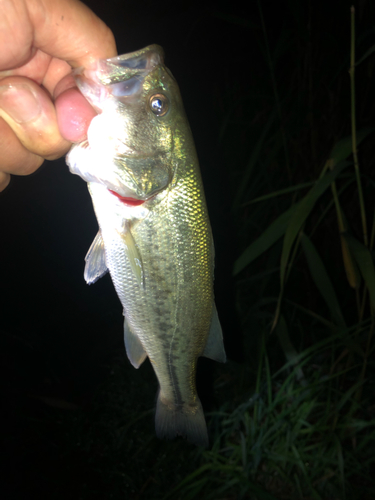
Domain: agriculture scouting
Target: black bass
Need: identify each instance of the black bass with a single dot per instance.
(154, 233)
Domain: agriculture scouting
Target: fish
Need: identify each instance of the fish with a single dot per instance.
(155, 238)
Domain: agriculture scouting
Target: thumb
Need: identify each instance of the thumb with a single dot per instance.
(73, 111)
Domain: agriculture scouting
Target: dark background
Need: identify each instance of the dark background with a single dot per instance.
(51, 321)
(59, 337)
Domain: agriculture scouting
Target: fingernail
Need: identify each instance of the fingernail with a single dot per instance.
(19, 102)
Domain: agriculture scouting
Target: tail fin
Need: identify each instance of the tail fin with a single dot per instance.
(170, 423)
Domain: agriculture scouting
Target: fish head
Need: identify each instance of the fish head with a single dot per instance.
(133, 142)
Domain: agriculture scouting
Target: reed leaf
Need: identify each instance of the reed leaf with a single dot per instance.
(299, 216)
(343, 148)
(322, 280)
(365, 264)
(288, 348)
(273, 233)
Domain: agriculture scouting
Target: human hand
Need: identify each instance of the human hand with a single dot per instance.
(41, 110)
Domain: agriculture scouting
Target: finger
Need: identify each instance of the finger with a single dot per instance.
(74, 115)
(70, 31)
(67, 30)
(42, 68)
(4, 180)
(15, 158)
(30, 113)
(73, 111)
(16, 34)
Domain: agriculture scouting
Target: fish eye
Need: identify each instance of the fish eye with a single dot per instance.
(159, 104)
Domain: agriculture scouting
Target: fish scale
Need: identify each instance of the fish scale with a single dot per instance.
(158, 248)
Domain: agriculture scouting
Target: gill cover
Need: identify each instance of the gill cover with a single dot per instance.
(133, 95)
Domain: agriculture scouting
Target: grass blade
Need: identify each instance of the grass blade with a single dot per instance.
(366, 55)
(288, 348)
(365, 263)
(252, 162)
(274, 194)
(322, 280)
(343, 148)
(273, 233)
(299, 216)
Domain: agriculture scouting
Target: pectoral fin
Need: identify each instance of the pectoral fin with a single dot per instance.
(133, 255)
(95, 266)
(215, 347)
(134, 347)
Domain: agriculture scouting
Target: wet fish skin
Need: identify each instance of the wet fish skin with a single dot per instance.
(158, 249)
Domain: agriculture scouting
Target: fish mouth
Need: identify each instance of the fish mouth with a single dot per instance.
(127, 200)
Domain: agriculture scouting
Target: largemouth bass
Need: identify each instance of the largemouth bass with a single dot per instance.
(154, 236)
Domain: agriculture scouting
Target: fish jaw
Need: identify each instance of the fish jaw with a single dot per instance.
(119, 152)
(105, 159)
(115, 212)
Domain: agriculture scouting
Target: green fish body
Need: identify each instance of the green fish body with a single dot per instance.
(154, 232)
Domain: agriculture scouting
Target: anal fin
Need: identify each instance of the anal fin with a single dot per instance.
(215, 346)
(134, 347)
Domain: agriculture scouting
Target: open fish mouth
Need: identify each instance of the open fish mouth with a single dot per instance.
(120, 76)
